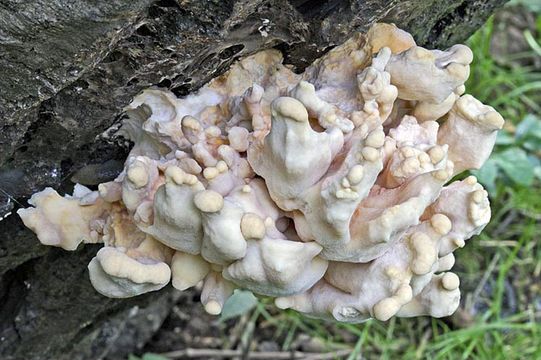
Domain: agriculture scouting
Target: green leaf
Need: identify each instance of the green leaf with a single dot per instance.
(533, 145)
(537, 172)
(238, 304)
(504, 138)
(530, 126)
(487, 175)
(515, 164)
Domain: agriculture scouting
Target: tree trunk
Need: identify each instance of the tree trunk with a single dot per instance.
(68, 69)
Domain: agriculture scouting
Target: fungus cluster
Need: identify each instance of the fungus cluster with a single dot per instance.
(328, 190)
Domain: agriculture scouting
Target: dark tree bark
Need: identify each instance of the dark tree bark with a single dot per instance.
(68, 69)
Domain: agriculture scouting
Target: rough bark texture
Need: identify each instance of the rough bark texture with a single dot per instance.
(68, 69)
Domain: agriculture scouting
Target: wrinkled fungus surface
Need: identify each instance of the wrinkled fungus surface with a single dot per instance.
(328, 190)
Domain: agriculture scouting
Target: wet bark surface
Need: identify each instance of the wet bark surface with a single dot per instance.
(69, 68)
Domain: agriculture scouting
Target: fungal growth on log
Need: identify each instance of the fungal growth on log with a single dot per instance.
(328, 190)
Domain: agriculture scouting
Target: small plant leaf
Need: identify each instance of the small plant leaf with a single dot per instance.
(238, 304)
(515, 164)
(537, 172)
(503, 138)
(530, 126)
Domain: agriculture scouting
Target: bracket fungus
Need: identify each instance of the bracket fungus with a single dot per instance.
(328, 190)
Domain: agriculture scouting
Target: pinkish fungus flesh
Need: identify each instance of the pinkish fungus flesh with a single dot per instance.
(327, 190)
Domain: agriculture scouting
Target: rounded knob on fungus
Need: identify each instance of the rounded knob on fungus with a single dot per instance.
(290, 108)
(208, 201)
(252, 226)
(370, 153)
(210, 173)
(138, 176)
(441, 224)
(479, 195)
(459, 242)
(386, 308)
(375, 139)
(283, 302)
(471, 180)
(450, 281)
(176, 174)
(213, 131)
(221, 166)
(355, 174)
(492, 119)
(424, 253)
(213, 307)
(189, 122)
(436, 153)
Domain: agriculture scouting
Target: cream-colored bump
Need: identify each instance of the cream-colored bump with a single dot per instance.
(411, 165)
(424, 158)
(221, 166)
(459, 242)
(213, 131)
(252, 226)
(441, 224)
(191, 123)
(385, 309)
(208, 201)
(450, 281)
(138, 176)
(492, 119)
(355, 174)
(290, 108)
(246, 189)
(393, 272)
(460, 90)
(407, 151)
(346, 194)
(210, 173)
(375, 139)
(441, 175)
(176, 174)
(188, 270)
(269, 222)
(190, 179)
(330, 118)
(425, 254)
(345, 183)
(478, 196)
(213, 307)
(470, 180)
(436, 154)
(363, 130)
(404, 293)
(283, 302)
(370, 154)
